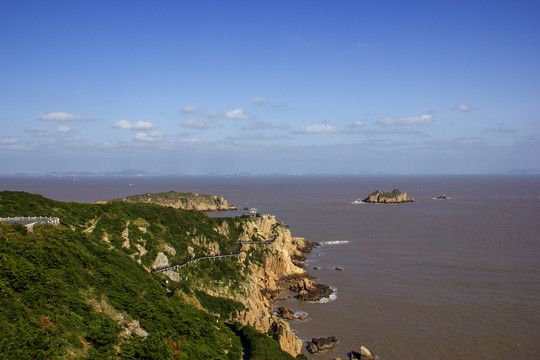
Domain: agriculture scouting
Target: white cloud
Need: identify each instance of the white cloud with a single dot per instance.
(63, 129)
(38, 131)
(412, 120)
(201, 123)
(63, 117)
(236, 114)
(9, 140)
(128, 125)
(149, 136)
(318, 129)
(357, 124)
(259, 100)
(462, 107)
(189, 109)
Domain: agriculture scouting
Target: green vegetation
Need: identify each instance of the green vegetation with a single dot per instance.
(76, 291)
(393, 194)
(178, 199)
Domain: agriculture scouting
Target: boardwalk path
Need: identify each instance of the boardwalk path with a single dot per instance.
(194, 260)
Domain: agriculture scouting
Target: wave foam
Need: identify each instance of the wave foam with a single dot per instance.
(333, 296)
(301, 313)
(335, 242)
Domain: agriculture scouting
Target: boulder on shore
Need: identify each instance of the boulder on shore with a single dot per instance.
(364, 354)
(320, 344)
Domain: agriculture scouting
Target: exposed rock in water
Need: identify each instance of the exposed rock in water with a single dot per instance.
(383, 197)
(364, 354)
(320, 344)
(286, 313)
(309, 290)
(178, 200)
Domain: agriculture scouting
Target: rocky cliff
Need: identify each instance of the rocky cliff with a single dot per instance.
(395, 197)
(263, 276)
(178, 200)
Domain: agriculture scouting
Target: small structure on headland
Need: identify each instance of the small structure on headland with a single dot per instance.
(384, 197)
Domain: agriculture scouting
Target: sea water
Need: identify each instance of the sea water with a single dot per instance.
(433, 279)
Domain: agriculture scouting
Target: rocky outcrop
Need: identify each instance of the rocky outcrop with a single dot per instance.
(364, 354)
(321, 344)
(383, 197)
(309, 290)
(178, 200)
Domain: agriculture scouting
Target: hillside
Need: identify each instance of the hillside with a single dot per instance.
(84, 289)
(178, 200)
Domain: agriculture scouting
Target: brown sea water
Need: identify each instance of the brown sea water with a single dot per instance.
(434, 279)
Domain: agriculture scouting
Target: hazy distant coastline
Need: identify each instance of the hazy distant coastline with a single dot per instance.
(139, 173)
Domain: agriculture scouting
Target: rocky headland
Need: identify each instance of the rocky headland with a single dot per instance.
(384, 197)
(265, 279)
(178, 200)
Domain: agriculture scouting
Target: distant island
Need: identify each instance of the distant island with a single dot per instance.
(178, 200)
(384, 197)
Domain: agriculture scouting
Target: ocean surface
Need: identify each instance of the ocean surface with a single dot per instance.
(435, 279)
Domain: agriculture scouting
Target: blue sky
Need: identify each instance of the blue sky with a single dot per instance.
(200, 87)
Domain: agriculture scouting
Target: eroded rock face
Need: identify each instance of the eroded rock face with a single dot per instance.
(395, 197)
(309, 290)
(262, 286)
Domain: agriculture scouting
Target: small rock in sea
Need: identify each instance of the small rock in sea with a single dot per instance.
(319, 344)
(312, 348)
(317, 268)
(339, 269)
(364, 354)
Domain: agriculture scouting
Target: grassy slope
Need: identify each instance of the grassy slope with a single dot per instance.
(53, 282)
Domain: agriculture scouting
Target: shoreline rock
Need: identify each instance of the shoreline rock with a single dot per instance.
(309, 290)
(364, 354)
(320, 344)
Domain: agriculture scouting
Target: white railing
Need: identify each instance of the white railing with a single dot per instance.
(35, 219)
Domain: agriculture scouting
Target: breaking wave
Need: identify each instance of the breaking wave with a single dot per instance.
(333, 296)
(335, 242)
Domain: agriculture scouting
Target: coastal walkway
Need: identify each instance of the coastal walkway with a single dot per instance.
(30, 221)
(212, 257)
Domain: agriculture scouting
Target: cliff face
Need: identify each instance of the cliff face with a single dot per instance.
(263, 281)
(395, 197)
(178, 200)
(262, 276)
